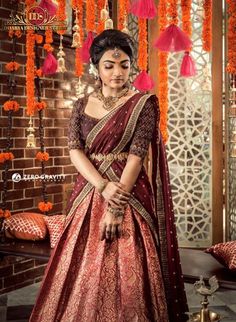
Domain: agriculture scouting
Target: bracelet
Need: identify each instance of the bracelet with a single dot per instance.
(102, 185)
(115, 212)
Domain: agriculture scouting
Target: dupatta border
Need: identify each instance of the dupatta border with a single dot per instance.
(137, 206)
(129, 130)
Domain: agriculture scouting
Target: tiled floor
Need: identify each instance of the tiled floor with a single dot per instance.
(16, 306)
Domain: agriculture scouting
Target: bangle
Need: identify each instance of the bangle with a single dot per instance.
(115, 212)
(102, 185)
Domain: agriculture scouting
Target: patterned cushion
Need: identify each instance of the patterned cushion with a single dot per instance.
(225, 253)
(25, 225)
(55, 226)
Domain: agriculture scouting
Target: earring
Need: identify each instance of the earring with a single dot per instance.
(93, 70)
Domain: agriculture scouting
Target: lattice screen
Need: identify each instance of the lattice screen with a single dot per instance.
(189, 146)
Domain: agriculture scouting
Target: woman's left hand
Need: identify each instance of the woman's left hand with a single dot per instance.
(110, 226)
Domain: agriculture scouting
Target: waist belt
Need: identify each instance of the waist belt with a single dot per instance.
(110, 156)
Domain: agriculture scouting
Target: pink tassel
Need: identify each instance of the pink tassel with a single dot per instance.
(49, 6)
(143, 82)
(188, 67)
(85, 56)
(49, 65)
(173, 39)
(143, 8)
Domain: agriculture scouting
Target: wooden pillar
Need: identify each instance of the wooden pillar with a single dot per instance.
(217, 120)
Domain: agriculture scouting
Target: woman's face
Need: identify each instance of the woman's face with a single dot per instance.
(114, 68)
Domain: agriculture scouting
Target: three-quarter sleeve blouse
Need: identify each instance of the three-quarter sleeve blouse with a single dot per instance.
(147, 121)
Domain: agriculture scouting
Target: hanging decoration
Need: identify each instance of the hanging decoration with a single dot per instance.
(77, 6)
(143, 8)
(85, 55)
(188, 68)
(61, 16)
(31, 140)
(30, 40)
(143, 82)
(49, 6)
(206, 28)
(163, 74)
(123, 16)
(105, 16)
(101, 19)
(231, 65)
(42, 155)
(172, 38)
(50, 63)
(10, 106)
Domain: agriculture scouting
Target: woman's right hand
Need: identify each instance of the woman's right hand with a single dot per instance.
(115, 195)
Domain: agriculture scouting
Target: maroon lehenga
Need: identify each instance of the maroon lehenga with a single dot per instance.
(138, 276)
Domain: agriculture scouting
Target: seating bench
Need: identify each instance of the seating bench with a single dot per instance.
(194, 262)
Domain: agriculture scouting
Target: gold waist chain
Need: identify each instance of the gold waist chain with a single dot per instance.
(110, 156)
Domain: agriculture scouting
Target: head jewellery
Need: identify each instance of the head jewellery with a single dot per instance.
(117, 53)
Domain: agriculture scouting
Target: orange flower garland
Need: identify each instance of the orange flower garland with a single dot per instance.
(123, 10)
(11, 106)
(186, 16)
(77, 6)
(12, 33)
(40, 106)
(231, 66)
(206, 28)
(90, 15)
(172, 12)
(30, 40)
(100, 24)
(12, 66)
(61, 14)
(163, 74)
(45, 206)
(142, 44)
(5, 156)
(42, 156)
(5, 213)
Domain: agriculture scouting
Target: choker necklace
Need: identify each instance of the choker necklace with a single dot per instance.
(110, 101)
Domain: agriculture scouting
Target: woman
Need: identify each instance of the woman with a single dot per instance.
(117, 258)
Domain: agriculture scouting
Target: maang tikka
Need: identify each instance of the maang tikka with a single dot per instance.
(117, 53)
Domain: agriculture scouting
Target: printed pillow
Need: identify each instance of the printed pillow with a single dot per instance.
(225, 253)
(55, 225)
(25, 225)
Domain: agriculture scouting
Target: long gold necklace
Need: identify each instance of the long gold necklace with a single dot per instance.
(110, 101)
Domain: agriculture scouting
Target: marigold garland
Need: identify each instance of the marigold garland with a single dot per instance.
(45, 206)
(12, 66)
(38, 72)
(5, 213)
(206, 28)
(231, 66)
(12, 33)
(11, 106)
(39, 39)
(172, 12)
(30, 40)
(122, 13)
(40, 106)
(42, 156)
(186, 16)
(6, 156)
(61, 14)
(90, 15)
(142, 44)
(163, 74)
(101, 23)
(77, 5)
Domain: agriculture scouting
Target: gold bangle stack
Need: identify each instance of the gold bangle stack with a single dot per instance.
(102, 185)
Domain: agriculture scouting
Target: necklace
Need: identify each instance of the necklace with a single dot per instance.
(110, 101)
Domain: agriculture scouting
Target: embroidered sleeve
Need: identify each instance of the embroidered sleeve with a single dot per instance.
(74, 130)
(145, 126)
